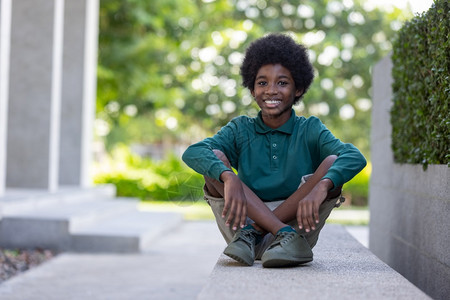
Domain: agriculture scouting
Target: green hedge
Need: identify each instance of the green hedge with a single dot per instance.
(420, 113)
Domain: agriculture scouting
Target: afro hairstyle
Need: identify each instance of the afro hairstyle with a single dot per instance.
(276, 48)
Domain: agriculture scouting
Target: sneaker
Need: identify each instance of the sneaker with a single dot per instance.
(242, 246)
(289, 249)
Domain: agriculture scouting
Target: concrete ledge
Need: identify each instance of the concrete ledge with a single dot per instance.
(342, 269)
(81, 220)
(133, 232)
(18, 200)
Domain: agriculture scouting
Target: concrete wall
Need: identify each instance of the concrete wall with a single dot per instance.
(409, 207)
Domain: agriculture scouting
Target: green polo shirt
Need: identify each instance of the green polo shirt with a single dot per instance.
(272, 162)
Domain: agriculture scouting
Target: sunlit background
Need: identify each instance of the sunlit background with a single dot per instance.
(168, 76)
(417, 6)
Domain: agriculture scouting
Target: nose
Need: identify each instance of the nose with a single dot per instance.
(271, 89)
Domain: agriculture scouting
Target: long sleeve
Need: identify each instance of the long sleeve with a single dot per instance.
(350, 160)
(201, 158)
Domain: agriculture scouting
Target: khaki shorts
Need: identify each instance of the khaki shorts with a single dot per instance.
(217, 205)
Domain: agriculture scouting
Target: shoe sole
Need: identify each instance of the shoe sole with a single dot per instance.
(284, 262)
(236, 257)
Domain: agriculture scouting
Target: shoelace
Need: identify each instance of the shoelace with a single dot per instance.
(247, 236)
(283, 238)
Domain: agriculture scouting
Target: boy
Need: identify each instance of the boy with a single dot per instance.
(262, 212)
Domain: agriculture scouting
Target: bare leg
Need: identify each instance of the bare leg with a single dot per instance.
(256, 209)
(287, 211)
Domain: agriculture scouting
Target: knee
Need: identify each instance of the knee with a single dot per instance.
(220, 155)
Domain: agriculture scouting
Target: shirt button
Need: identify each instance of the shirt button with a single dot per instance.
(274, 145)
(274, 157)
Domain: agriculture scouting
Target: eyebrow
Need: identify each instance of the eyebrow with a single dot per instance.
(279, 77)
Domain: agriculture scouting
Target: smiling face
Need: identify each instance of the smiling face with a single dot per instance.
(275, 93)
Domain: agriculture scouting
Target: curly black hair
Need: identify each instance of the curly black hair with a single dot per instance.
(276, 48)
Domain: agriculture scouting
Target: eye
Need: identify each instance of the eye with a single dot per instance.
(261, 83)
(283, 83)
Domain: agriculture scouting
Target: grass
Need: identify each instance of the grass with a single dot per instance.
(200, 210)
(191, 211)
(350, 216)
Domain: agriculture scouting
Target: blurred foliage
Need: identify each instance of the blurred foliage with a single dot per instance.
(169, 70)
(134, 176)
(171, 179)
(421, 67)
(356, 191)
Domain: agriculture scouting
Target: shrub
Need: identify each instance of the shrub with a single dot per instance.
(356, 191)
(135, 176)
(420, 113)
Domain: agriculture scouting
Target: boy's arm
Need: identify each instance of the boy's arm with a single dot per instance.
(235, 200)
(201, 158)
(308, 207)
(312, 193)
(348, 163)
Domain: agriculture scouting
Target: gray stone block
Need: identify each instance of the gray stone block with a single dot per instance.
(49, 226)
(382, 161)
(80, 213)
(90, 226)
(20, 200)
(409, 223)
(420, 268)
(127, 233)
(28, 233)
(85, 220)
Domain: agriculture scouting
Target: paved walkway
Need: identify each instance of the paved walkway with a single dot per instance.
(177, 266)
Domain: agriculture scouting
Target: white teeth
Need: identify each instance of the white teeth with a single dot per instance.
(272, 101)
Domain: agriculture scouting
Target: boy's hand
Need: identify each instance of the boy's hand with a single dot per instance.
(235, 200)
(308, 207)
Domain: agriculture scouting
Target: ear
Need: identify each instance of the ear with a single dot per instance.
(253, 93)
(299, 92)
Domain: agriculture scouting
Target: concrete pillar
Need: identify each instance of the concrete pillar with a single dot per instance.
(382, 215)
(35, 94)
(5, 38)
(78, 90)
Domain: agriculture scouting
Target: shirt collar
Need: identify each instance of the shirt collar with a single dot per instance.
(287, 127)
